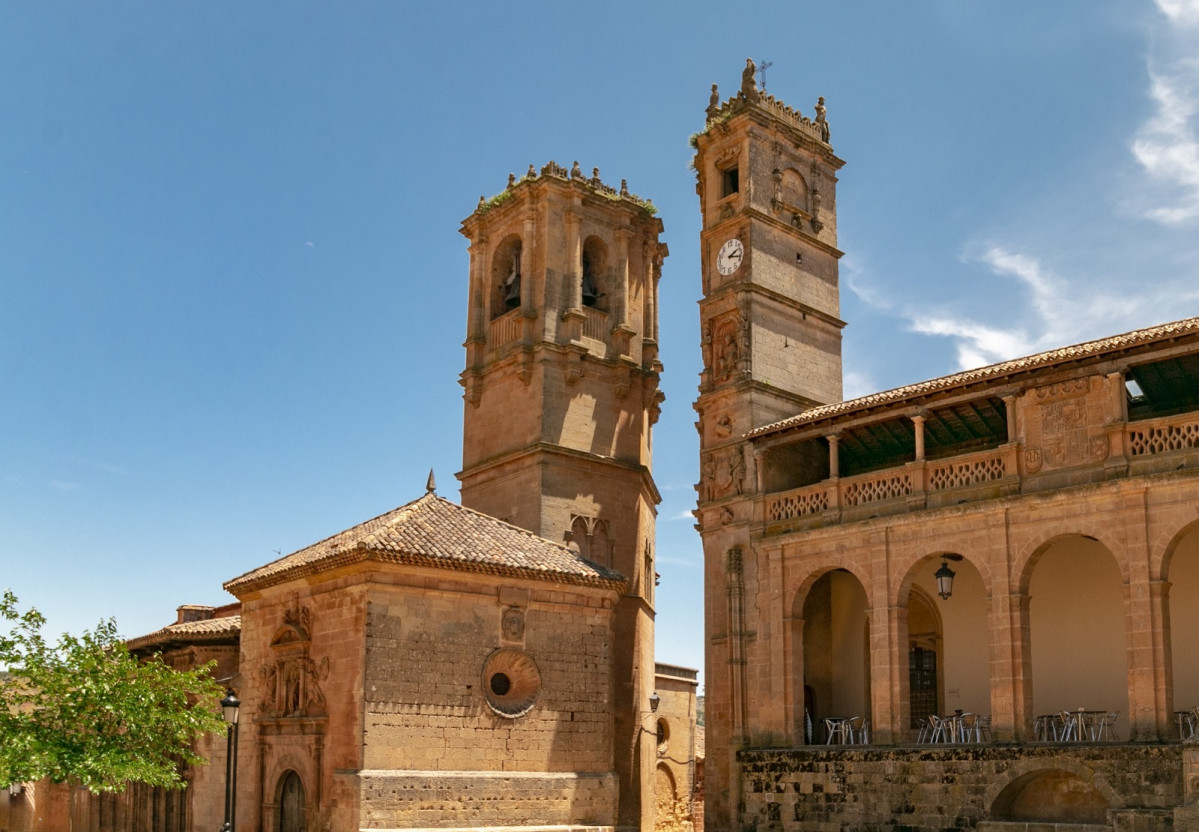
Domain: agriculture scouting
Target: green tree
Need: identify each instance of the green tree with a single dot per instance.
(86, 711)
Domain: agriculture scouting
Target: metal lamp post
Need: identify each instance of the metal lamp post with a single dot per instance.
(230, 707)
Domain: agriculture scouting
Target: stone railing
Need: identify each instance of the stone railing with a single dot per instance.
(1156, 436)
(964, 471)
(975, 476)
(924, 483)
(594, 323)
(505, 329)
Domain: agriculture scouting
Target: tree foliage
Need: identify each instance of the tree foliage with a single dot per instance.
(84, 710)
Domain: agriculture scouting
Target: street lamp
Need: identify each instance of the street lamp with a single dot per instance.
(231, 708)
(945, 576)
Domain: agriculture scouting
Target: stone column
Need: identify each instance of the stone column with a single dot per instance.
(1011, 657)
(622, 277)
(526, 263)
(1009, 407)
(476, 333)
(834, 461)
(574, 262)
(918, 423)
(1144, 594)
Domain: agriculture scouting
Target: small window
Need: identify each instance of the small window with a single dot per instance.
(663, 736)
(729, 182)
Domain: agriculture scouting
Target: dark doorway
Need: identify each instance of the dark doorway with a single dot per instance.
(291, 803)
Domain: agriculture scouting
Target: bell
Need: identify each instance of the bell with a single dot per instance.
(512, 298)
(589, 292)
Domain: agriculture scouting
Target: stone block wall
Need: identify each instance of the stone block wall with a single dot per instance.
(425, 800)
(949, 788)
(426, 707)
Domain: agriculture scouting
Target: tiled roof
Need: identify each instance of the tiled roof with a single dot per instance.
(432, 531)
(1077, 352)
(207, 630)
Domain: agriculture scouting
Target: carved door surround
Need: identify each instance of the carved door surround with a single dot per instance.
(291, 678)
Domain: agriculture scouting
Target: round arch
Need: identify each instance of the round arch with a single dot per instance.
(948, 647)
(1026, 561)
(1030, 789)
(1180, 608)
(1075, 588)
(291, 802)
(830, 644)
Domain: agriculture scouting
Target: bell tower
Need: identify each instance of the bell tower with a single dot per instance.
(561, 390)
(771, 337)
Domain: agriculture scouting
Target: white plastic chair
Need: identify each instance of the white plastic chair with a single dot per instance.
(937, 728)
(834, 730)
(1068, 723)
(1106, 724)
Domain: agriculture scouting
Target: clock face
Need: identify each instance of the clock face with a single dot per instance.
(730, 256)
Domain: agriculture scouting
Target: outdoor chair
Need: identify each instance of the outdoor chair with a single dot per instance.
(1067, 727)
(937, 729)
(1106, 725)
(834, 730)
(858, 730)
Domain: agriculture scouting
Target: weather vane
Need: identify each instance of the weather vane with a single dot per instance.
(762, 67)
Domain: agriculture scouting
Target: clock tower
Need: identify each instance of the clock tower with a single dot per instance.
(771, 336)
(561, 389)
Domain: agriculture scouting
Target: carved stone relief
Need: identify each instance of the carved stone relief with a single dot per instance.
(722, 474)
(291, 679)
(1064, 424)
(512, 624)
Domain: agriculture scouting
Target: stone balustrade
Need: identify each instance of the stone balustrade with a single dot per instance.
(980, 475)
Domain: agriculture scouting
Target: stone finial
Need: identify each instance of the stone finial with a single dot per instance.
(749, 81)
(595, 179)
(532, 174)
(482, 203)
(713, 103)
(576, 172)
(511, 179)
(431, 484)
(624, 187)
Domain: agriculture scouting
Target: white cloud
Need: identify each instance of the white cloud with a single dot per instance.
(1167, 145)
(856, 384)
(1180, 12)
(683, 515)
(64, 486)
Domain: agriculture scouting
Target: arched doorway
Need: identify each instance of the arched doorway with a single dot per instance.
(836, 655)
(925, 689)
(291, 803)
(1076, 630)
(948, 641)
(1183, 576)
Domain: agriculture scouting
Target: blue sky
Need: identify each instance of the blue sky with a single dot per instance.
(232, 288)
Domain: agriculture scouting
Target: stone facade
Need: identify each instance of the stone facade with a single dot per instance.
(675, 728)
(1060, 490)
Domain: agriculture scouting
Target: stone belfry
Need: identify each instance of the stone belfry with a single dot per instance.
(771, 337)
(561, 389)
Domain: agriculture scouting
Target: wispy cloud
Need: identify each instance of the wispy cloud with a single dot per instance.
(1166, 145)
(1125, 282)
(64, 486)
(1180, 12)
(683, 515)
(855, 384)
